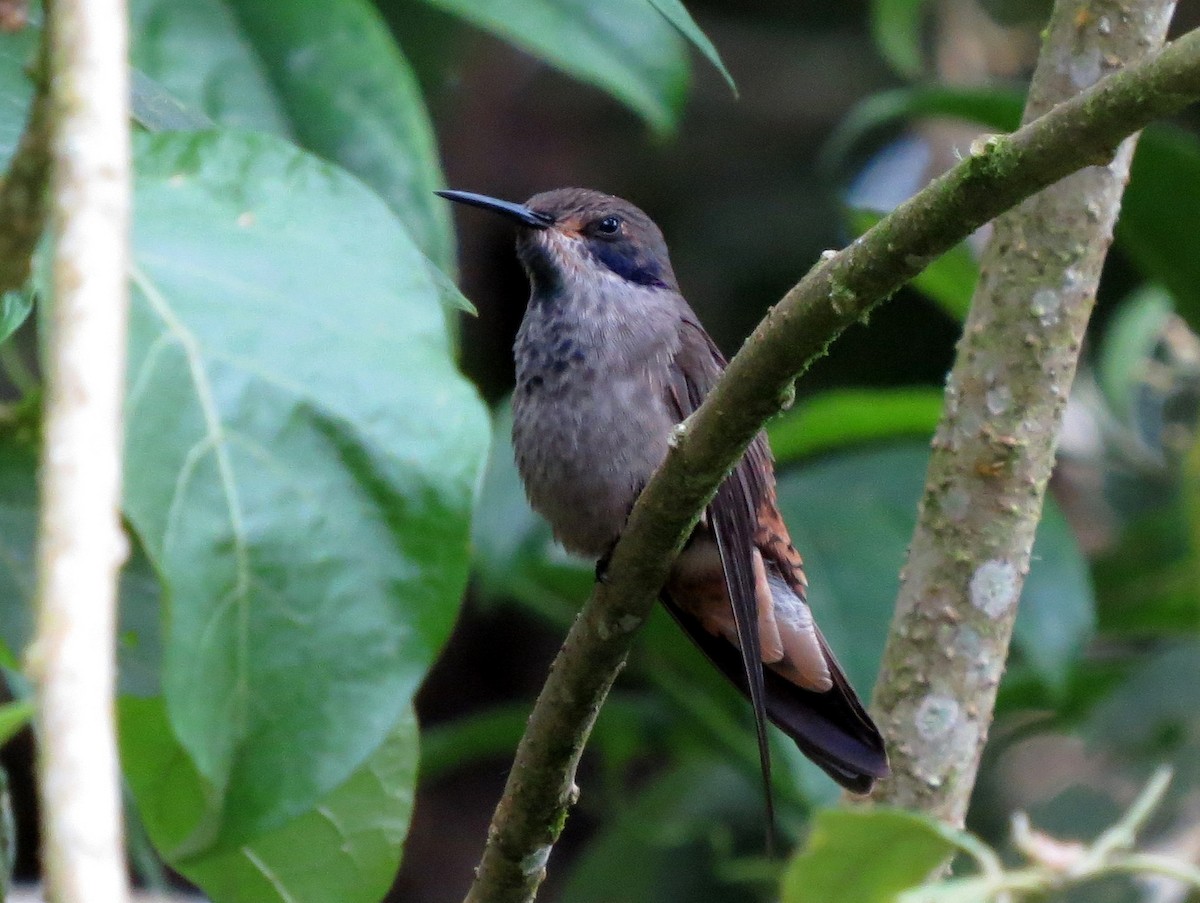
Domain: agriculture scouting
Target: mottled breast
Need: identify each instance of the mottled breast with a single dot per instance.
(590, 419)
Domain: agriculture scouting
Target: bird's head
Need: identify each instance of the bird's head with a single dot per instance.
(577, 233)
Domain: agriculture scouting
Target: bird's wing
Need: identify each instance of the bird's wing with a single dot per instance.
(758, 583)
(731, 518)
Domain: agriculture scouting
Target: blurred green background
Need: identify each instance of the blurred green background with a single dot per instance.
(347, 385)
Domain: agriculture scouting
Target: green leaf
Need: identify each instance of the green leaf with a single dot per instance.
(851, 516)
(1058, 612)
(1191, 501)
(842, 417)
(625, 47)
(138, 630)
(998, 109)
(950, 280)
(896, 28)
(351, 97)
(302, 456)
(345, 848)
(1018, 12)
(17, 52)
(1150, 718)
(195, 51)
(156, 110)
(1129, 342)
(676, 13)
(1160, 215)
(15, 308)
(1146, 582)
(13, 717)
(855, 856)
(325, 72)
(482, 735)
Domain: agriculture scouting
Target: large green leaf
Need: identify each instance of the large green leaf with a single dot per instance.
(301, 458)
(844, 417)
(1151, 717)
(1160, 215)
(325, 72)
(625, 47)
(867, 856)
(14, 716)
(676, 13)
(896, 28)
(1058, 613)
(197, 53)
(995, 108)
(15, 307)
(1129, 342)
(851, 517)
(346, 848)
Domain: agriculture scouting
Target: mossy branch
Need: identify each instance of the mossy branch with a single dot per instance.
(840, 290)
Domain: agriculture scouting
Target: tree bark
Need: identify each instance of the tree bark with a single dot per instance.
(994, 448)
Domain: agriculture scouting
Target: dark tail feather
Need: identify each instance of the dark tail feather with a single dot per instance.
(831, 728)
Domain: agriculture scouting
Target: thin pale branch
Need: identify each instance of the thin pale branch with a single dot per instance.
(80, 543)
(838, 292)
(994, 448)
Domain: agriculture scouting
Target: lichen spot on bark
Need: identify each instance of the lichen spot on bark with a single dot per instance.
(936, 716)
(994, 588)
(1046, 306)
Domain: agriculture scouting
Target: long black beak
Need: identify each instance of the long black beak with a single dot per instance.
(519, 212)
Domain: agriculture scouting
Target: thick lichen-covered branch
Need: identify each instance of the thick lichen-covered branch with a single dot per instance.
(72, 658)
(840, 290)
(994, 448)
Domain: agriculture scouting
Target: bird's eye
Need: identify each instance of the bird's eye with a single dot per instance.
(609, 225)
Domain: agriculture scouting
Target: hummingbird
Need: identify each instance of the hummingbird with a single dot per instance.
(609, 359)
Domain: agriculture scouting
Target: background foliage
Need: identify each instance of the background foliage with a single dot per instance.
(304, 459)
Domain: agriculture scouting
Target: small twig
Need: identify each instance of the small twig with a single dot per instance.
(1057, 864)
(835, 294)
(1157, 864)
(1123, 835)
(80, 544)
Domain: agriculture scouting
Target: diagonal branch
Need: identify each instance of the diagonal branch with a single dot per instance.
(839, 291)
(994, 448)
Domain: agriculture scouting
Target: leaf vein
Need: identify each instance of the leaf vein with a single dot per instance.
(216, 435)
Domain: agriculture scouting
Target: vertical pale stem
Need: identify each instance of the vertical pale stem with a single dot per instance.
(995, 445)
(80, 543)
